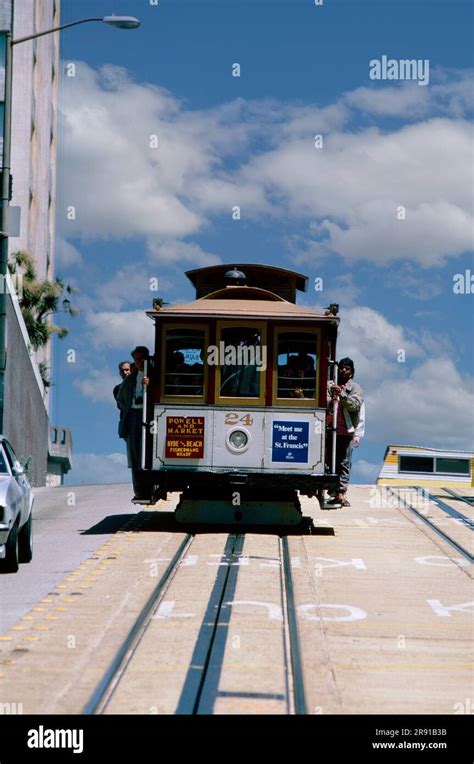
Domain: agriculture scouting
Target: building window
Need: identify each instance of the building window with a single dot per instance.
(451, 466)
(63, 437)
(54, 435)
(184, 362)
(416, 464)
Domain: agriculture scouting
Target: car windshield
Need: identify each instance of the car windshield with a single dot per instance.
(3, 463)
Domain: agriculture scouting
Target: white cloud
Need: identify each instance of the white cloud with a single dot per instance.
(99, 384)
(363, 471)
(410, 101)
(424, 401)
(413, 282)
(356, 184)
(145, 190)
(433, 406)
(174, 251)
(130, 285)
(343, 290)
(261, 156)
(429, 234)
(99, 469)
(67, 255)
(373, 343)
(120, 331)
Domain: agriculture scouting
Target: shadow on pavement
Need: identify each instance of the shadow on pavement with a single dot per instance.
(161, 521)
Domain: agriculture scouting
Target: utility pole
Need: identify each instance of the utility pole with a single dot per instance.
(5, 202)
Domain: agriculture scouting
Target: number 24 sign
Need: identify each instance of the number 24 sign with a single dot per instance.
(234, 418)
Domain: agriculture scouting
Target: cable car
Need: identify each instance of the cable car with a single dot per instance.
(235, 413)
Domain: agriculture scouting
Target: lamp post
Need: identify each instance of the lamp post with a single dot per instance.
(119, 22)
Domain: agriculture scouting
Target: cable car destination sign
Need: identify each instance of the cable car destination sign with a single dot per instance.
(184, 437)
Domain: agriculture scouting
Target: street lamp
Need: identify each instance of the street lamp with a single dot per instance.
(119, 22)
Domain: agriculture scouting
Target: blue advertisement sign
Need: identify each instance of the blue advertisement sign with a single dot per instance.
(290, 441)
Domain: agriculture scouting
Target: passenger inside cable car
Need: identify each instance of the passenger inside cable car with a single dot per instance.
(184, 373)
(241, 377)
(296, 366)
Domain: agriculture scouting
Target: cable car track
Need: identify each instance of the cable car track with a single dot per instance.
(105, 688)
(293, 648)
(454, 513)
(469, 500)
(197, 696)
(464, 552)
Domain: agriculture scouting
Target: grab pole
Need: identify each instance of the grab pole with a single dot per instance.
(144, 422)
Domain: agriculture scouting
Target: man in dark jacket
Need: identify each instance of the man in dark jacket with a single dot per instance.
(124, 368)
(130, 401)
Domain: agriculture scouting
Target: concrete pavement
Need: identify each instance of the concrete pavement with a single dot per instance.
(384, 609)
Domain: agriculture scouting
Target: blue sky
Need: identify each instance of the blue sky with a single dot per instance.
(249, 141)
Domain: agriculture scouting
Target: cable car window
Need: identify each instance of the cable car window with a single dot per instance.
(454, 466)
(416, 464)
(297, 365)
(242, 367)
(184, 361)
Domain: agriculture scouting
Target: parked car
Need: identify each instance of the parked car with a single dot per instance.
(16, 503)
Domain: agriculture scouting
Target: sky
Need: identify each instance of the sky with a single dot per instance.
(159, 141)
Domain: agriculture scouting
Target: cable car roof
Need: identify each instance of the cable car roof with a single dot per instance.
(280, 281)
(212, 307)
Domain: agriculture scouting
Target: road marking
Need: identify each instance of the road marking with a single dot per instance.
(230, 560)
(356, 562)
(274, 611)
(355, 613)
(272, 563)
(446, 561)
(165, 610)
(444, 611)
(190, 559)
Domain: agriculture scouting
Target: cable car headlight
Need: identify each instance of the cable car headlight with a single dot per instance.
(238, 439)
